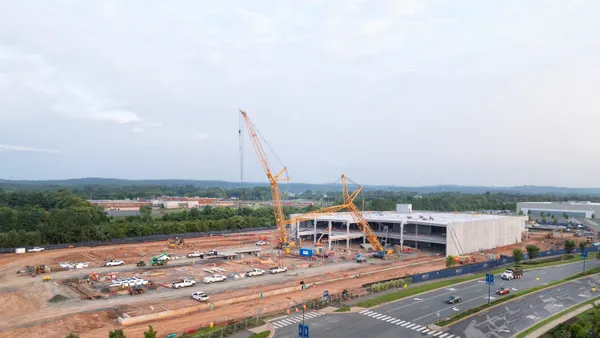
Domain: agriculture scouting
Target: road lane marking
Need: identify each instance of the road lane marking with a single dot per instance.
(425, 331)
(377, 316)
(437, 334)
(403, 325)
(389, 320)
(432, 298)
(395, 321)
(417, 327)
(411, 325)
(400, 322)
(444, 335)
(364, 311)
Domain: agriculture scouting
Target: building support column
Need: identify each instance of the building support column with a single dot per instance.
(329, 236)
(347, 235)
(401, 236)
(315, 233)
(417, 235)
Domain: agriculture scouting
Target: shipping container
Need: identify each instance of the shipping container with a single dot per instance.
(307, 252)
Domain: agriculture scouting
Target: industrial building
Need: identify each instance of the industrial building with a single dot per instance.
(131, 205)
(449, 233)
(573, 209)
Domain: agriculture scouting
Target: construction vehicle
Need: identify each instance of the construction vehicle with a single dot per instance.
(46, 278)
(176, 243)
(549, 235)
(137, 290)
(140, 263)
(40, 268)
(361, 259)
(160, 260)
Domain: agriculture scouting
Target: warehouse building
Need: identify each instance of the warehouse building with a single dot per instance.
(573, 209)
(450, 233)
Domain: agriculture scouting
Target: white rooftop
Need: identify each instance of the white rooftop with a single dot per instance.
(426, 217)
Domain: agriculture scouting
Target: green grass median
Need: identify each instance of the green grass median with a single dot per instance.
(263, 334)
(459, 316)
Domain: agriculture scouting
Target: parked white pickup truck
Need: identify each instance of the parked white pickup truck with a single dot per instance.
(36, 249)
(182, 283)
(277, 269)
(214, 278)
(196, 254)
(255, 272)
(113, 262)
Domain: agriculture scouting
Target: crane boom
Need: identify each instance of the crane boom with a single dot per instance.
(273, 179)
(357, 215)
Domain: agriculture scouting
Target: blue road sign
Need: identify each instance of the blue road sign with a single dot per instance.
(489, 279)
(584, 255)
(305, 331)
(300, 330)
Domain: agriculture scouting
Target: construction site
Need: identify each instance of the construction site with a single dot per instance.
(89, 291)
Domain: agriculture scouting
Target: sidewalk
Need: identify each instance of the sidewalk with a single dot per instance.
(570, 314)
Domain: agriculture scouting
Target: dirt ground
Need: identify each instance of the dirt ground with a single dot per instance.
(28, 314)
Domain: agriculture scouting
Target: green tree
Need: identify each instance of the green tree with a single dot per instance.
(554, 221)
(569, 246)
(146, 212)
(517, 255)
(116, 334)
(582, 246)
(542, 214)
(150, 333)
(566, 216)
(581, 329)
(532, 251)
(450, 261)
(520, 212)
(72, 335)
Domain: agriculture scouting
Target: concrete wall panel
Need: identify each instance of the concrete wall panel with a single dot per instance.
(469, 237)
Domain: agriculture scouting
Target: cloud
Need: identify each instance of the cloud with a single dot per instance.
(68, 96)
(138, 130)
(6, 147)
(200, 136)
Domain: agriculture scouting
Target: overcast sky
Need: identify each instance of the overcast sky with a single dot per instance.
(395, 92)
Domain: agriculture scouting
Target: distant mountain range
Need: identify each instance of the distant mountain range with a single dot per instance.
(294, 187)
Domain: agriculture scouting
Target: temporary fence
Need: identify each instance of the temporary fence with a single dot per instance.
(141, 239)
(479, 267)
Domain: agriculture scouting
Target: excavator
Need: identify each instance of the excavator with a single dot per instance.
(176, 243)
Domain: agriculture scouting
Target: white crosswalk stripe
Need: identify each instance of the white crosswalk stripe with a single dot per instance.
(411, 326)
(295, 319)
(437, 334)
(416, 328)
(394, 321)
(400, 322)
(425, 331)
(444, 335)
(407, 325)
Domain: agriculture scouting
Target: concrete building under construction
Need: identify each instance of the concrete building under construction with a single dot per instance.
(450, 233)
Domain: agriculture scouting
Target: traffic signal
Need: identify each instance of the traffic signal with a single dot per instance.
(304, 307)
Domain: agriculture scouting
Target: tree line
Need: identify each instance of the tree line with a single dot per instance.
(41, 218)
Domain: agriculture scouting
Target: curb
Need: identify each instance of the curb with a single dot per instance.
(516, 298)
(272, 329)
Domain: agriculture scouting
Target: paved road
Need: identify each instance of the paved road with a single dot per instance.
(411, 316)
(506, 320)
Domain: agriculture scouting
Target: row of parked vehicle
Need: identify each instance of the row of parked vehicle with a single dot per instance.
(128, 281)
(78, 265)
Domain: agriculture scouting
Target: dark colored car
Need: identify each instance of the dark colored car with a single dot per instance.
(503, 291)
(453, 300)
